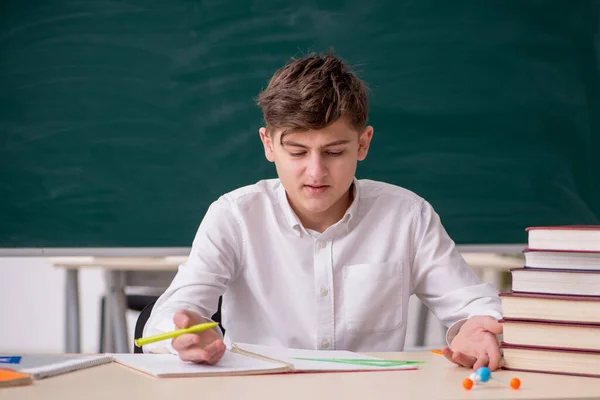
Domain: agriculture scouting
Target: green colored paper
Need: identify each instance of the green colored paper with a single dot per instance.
(368, 362)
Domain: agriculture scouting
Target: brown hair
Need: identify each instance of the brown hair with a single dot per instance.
(313, 92)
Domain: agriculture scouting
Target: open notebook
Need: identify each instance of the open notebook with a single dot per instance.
(247, 359)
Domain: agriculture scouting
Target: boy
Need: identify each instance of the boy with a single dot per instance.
(318, 259)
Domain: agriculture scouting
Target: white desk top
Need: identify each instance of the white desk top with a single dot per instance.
(119, 263)
(476, 260)
(437, 379)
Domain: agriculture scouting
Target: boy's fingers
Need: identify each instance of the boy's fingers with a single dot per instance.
(186, 318)
(494, 355)
(181, 319)
(210, 354)
(491, 325)
(482, 361)
(219, 351)
(194, 354)
(214, 346)
(457, 357)
(185, 341)
(446, 352)
(190, 348)
(463, 359)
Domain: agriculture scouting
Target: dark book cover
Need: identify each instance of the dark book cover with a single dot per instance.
(569, 297)
(550, 322)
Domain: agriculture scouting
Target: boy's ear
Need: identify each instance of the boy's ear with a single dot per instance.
(267, 143)
(364, 140)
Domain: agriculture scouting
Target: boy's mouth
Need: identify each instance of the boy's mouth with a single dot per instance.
(316, 189)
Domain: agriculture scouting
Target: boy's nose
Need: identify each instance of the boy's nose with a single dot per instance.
(316, 168)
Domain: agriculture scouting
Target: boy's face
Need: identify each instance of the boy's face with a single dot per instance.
(317, 167)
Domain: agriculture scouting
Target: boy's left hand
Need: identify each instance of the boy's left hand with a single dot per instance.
(475, 345)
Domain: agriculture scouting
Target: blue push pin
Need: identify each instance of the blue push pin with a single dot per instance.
(483, 374)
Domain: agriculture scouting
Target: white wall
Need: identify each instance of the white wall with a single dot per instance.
(32, 306)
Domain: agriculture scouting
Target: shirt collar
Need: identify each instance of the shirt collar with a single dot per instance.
(290, 216)
(294, 222)
(352, 211)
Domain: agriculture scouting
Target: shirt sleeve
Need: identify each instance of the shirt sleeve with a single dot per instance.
(213, 262)
(443, 280)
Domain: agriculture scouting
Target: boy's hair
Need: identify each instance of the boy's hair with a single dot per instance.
(313, 92)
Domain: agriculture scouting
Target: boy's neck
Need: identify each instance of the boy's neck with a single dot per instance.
(321, 221)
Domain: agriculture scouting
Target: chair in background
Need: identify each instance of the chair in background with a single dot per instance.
(145, 315)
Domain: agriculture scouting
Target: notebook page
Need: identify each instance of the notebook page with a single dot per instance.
(169, 365)
(339, 360)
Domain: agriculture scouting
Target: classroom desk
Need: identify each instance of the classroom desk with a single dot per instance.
(437, 379)
(119, 272)
(159, 271)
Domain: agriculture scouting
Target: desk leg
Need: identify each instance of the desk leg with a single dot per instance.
(108, 331)
(117, 303)
(422, 325)
(72, 344)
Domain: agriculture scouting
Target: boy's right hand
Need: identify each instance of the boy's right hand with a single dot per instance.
(203, 347)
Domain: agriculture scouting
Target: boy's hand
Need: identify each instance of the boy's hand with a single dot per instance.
(475, 345)
(202, 347)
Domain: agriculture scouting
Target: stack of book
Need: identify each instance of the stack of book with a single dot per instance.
(552, 315)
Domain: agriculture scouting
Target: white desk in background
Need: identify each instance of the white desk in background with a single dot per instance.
(119, 272)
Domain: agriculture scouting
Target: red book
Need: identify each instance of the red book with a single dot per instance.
(566, 237)
(551, 334)
(561, 259)
(556, 281)
(544, 307)
(551, 361)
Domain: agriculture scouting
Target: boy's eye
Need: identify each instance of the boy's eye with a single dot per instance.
(329, 153)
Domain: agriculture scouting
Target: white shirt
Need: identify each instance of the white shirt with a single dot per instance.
(346, 288)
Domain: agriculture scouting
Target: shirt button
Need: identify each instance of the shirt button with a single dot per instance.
(324, 344)
(324, 292)
(322, 244)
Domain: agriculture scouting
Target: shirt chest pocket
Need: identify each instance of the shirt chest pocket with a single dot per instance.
(373, 297)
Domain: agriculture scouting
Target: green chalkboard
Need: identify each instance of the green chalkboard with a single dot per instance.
(120, 122)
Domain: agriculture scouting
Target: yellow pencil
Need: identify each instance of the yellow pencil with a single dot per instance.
(163, 336)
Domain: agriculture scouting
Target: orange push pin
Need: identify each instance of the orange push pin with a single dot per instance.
(515, 383)
(467, 383)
